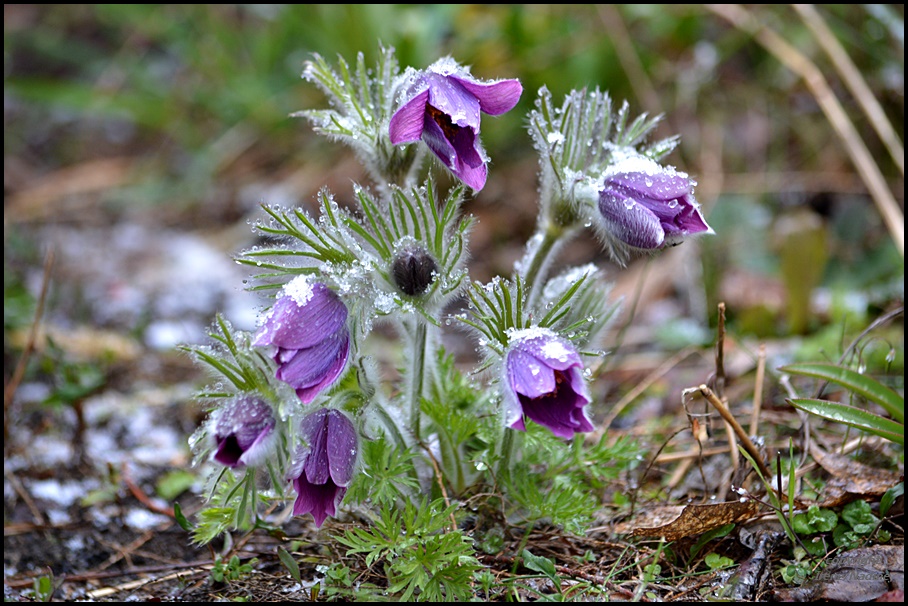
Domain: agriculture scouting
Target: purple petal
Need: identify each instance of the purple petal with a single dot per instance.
(291, 325)
(579, 386)
(554, 411)
(448, 96)
(307, 393)
(438, 142)
(259, 451)
(311, 366)
(529, 376)
(688, 221)
(318, 499)
(314, 428)
(243, 432)
(461, 155)
(662, 192)
(407, 122)
(660, 186)
(322, 470)
(560, 411)
(342, 447)
(495, 98)
(551, 350)
(466, 149)
(545, 383)
(475, 178)
(229, 451)
(630, 222)
(555, 415)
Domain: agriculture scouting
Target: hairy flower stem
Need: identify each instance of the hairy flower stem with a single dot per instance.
(417, 374)
(390, 425)
(505, 454)
(394, 430)
(534, 277)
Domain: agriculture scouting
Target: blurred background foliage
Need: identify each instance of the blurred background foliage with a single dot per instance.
(178, 116)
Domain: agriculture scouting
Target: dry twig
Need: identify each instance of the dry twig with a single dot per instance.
(854, 146)
(854, 81)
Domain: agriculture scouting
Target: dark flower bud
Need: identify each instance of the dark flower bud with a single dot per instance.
(413, 270)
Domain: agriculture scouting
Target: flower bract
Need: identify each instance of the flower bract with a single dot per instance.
(544, 381)
(307, 327)
(324, 468)
(442, 107)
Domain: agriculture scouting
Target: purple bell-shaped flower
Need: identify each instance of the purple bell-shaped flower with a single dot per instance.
(324, 468)
(648, 206)
(243, 432)
(544, 381)
(442, 107)
(308, 329)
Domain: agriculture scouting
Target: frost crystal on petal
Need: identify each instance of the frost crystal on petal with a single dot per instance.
(299, 289)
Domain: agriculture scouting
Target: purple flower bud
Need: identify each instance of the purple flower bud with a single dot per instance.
(324, 468)
(243, 432)
(442, 107)
(648, 206)
(544, 381)
(413, 270)
(308, 329)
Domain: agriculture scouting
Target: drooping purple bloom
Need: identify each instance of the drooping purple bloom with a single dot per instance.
(307, 326)
(243, 432)
(324, 467)
(544, 381)
(442, 107)
(648, 206)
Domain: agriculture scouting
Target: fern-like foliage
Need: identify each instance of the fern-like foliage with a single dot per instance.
(423, 557)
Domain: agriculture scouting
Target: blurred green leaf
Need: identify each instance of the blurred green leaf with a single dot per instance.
(541, 565)
(854, 381)
(802, 256)
(181, 519)
(288, 562)
(708, 536)
(855, 417)
(858, 513)
(173, 483)
(815, 520)
(716, 561)
(18, 303)
(890, 496)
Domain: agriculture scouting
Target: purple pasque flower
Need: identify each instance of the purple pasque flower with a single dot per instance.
(544, 381)
(442, 107)
(324, 467)
(243, 432)
(649, 206)
(307, 326)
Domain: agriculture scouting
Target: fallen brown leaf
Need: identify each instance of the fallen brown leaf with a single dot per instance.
(859, 575)
(697, 519)
(851, 479)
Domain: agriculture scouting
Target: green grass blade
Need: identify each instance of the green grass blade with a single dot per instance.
(855, 417)
(867, 387)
